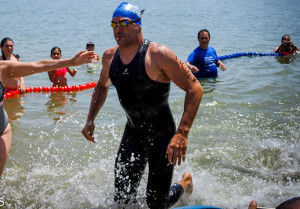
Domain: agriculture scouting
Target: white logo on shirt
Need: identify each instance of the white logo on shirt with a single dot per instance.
(125, 72)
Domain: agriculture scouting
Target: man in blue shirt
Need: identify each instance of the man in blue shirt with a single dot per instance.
(203, 61)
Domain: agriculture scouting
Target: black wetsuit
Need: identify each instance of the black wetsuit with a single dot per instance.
(149, 129)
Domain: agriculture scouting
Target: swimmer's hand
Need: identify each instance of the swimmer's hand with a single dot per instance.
(88, 131)
(83, 57)
(176, 150)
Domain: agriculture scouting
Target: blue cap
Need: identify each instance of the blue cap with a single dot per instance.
(129, 10)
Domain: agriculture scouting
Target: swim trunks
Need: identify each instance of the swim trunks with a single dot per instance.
(3, 115)
(61, 72)
(149, 129)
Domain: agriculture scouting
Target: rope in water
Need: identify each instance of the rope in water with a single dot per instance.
(51, 89)
(254, 53)
(91, 85)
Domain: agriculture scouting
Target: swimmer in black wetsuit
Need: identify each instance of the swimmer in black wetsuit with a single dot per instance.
(10, 69)
(142, 71)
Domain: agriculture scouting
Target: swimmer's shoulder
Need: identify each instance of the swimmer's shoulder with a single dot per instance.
(108, 55)
(160, 52)
(107, 58)
(110, 51)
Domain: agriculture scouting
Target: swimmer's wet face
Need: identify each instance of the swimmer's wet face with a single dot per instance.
(125, 35)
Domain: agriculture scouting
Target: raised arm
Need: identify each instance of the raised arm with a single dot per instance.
(10, 69)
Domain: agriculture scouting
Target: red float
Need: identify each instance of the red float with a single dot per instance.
(51, 89)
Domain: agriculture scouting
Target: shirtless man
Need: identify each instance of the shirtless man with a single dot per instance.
(141, 71)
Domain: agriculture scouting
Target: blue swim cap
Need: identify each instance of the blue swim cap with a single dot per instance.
(129, 10)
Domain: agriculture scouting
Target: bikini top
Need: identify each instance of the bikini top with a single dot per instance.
(61, 72)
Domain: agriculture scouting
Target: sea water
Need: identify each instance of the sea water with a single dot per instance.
(244, 143)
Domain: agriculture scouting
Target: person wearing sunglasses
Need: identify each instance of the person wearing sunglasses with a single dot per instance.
(141, 72)
(286, 45)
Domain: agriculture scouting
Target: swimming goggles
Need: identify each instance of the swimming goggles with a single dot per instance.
(124, 23)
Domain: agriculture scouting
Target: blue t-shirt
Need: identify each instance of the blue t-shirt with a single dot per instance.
(205, 60)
